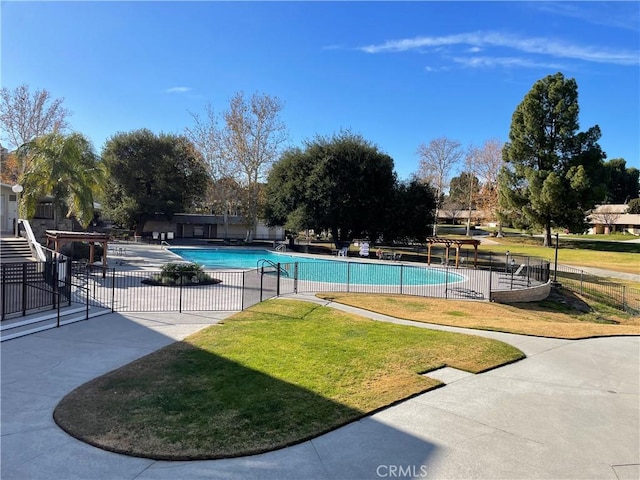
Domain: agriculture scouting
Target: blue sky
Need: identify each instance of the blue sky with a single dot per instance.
(398, 73)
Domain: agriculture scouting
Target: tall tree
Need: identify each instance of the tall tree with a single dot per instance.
(25, 116)
(253, 136)
(555, 173)
(416, 201)
(66, 167)
(151, 174)
(464, 191)
(210, 140)
(485, 162)
(437, 161)
(342, 183)
(623, 184)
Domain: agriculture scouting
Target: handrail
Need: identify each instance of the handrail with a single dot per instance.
(163, 244)
(262, 261)
(281, 248)
(36, 249)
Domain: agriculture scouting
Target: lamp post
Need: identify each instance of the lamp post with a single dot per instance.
(17, 189)
(555, 271)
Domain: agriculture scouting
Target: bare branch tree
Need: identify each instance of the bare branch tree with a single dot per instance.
(208, 139)
(606, 215)
(437, 160)
(25, 116)
(486, 163)
(254, 136)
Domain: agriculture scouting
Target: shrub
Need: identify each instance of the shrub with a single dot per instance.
(181, 274)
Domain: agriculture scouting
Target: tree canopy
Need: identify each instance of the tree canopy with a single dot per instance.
(151, 174)
(634, 206)
(65, 167)
(346, 185)
(554, 173)
(623, 184)
(25, 116)
(342, 184)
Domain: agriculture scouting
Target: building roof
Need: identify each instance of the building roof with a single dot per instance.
(611, 208)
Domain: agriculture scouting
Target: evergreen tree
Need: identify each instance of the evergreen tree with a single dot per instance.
(554, 173)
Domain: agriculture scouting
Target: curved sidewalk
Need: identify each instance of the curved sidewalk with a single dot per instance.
(569, 410)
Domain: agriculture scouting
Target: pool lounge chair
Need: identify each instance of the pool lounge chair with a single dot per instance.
(343, 252)
(364, 249)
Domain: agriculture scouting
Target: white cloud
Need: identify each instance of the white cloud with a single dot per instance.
(535, 45)
(178, 90)
(624, 15)
(491, 62)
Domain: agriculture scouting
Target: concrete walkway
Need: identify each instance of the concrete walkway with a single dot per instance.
(569, 410)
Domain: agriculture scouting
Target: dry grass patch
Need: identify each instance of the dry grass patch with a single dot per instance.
(570, 318)
(274, 375)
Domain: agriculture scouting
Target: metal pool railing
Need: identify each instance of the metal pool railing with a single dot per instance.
(129, 291)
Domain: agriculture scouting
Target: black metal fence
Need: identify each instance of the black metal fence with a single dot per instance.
(33, 286)
(596, 288)
(27, 286)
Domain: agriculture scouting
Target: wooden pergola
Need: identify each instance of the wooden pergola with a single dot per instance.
(59, 238)
(453, 242)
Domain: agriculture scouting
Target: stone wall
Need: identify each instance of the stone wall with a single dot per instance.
(531, 294)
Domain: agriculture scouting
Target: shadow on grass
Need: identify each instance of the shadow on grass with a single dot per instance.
(562, 301)
(184, 403)
(600, 245)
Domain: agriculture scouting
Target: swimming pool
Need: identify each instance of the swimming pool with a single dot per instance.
(320, 270)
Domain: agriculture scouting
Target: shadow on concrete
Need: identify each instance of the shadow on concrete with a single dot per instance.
(40, 369)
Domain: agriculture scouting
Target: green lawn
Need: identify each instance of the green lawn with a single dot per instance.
(617, 256)
(274, 375)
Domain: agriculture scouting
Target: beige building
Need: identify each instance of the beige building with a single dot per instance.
(605, 219)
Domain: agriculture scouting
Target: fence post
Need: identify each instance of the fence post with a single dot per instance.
(624, 308)
(446, 281)
(581, 280)
(58, 314)
(113, 289)
(180, 293)
(490, 279)
(54, 281)
(261, 280)
(4, 289)
(295, 277)
(278, 281)
(86, 317)
(67, 281)
(401, 271)
(555, 272)
(512, 279)
(24, 290)
(348, 276)
(244, 274)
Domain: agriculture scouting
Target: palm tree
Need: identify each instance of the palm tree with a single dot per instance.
(65, 167)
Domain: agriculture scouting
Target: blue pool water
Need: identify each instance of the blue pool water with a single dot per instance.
(320, 270)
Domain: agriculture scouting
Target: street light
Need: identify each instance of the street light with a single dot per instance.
(17, 189)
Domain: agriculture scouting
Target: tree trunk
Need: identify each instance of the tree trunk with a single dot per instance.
(334, 234)
(547, 235)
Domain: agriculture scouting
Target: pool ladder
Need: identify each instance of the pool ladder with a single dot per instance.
(263, 261)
